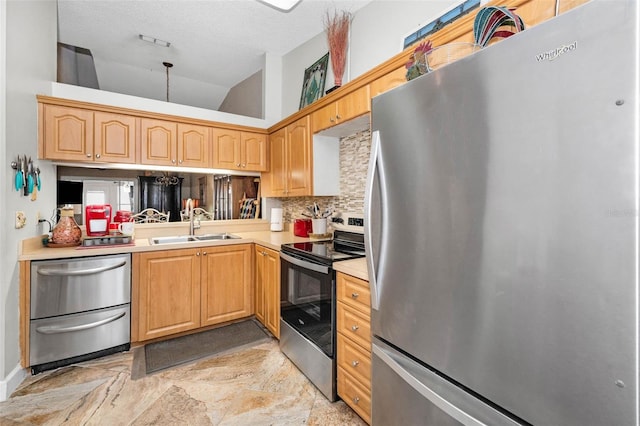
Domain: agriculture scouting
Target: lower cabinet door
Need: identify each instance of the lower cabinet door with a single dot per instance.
(227, 283)
(168, 292)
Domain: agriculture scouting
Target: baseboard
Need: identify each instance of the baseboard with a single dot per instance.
(11, 382)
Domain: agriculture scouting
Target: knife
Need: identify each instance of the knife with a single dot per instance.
(19, 183)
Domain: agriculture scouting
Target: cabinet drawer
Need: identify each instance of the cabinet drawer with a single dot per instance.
(354, 395)
(354, 325)
(355, 360)
(354, 292)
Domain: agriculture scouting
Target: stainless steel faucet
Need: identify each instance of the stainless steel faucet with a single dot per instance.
(192, 225)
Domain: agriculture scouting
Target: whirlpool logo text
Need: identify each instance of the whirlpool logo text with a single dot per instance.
(554, 54)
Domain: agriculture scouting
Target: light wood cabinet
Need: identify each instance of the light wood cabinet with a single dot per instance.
(167, 286)
(227, 283)
(354, 343)
(158, 142)
(290, 174)
(68, 133)
(167, 143)
(388, 81)
(238, 150)
(253, 151)
(267, 278)
(115, 138)
(274, 182)
(75, 134)
(193, 146)
(181, 290)
(344, 109)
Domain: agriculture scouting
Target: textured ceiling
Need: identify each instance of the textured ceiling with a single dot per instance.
(220, 42)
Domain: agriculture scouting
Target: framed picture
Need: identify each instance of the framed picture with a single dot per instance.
(313, 83)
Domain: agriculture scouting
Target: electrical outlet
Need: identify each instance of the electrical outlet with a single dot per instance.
(21, 219)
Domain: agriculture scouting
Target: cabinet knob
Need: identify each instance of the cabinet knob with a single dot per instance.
(204, 253)
(97, 155)
(355, 327)
(198, 253)
(338, 117)
(244, 165)
(354, 295)
(173, 161)
(332, 120)
(355, 363)
(88, 155)
(180, 161)
(356, 399)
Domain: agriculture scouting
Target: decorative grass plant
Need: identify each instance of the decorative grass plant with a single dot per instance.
(336, 25)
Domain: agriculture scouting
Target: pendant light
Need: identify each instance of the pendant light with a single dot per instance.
(167, 65)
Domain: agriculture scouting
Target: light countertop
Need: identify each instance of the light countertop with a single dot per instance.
(33, 249)
(354, 267)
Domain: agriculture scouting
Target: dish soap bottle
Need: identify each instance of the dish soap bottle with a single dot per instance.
(66, 231)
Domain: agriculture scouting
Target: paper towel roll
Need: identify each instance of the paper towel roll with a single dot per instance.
(276, 219)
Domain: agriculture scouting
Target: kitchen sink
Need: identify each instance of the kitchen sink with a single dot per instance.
(208, 237)
(191, 238)
(172, 240)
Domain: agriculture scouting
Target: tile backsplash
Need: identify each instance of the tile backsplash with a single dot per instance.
(354, 160)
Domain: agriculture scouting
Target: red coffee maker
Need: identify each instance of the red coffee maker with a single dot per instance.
(302, 227)
(97, 219)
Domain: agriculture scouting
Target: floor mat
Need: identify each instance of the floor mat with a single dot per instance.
(169, 353)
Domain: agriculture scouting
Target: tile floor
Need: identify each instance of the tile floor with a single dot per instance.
(253, 386)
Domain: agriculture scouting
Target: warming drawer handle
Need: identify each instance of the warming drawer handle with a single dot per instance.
(48, 329)
(91, 271)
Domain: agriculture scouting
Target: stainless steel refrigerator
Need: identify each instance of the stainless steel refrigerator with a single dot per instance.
(503, 231)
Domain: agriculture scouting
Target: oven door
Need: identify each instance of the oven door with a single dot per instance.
(307, 300)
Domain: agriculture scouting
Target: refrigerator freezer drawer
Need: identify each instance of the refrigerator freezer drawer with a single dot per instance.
(406, 393)
(354, 325)
(58, 338)
(355, 395)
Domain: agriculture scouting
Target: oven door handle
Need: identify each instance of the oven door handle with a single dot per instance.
(304, 264)
(48, 329)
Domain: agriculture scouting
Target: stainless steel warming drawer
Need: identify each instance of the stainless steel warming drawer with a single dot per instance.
(80, 309)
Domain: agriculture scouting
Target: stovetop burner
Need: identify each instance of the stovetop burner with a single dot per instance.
(345, 245)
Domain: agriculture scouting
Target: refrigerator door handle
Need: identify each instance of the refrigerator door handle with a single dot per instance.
(422, 386)
(374, 204)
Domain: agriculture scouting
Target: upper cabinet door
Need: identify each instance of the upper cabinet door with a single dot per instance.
(388, 81)
(344, 109)
(193, 146)
(115, 138)
(67, 133)
(354, 104)
(253, 151)
(226, 149)
(299, 168)
(274, 182)
(158, 145)
(324, 118)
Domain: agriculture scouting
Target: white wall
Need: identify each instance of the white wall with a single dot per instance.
(377, 32)
(30, 66)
